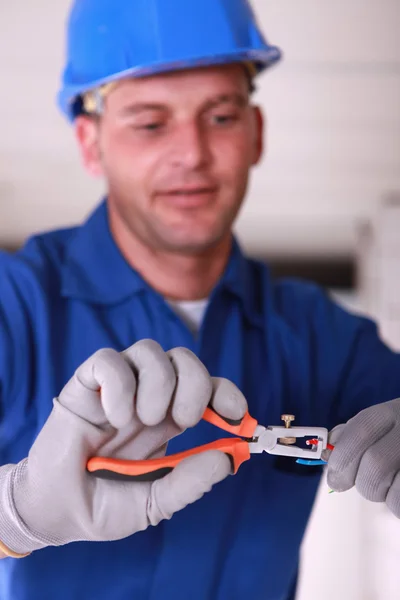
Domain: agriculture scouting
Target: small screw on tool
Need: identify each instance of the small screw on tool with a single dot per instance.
(287, 419)
(287, 440)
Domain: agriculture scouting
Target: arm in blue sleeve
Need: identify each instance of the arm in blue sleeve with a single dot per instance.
(350, 367)
(370, 370)
(373, 373)
(2, 350)
(15, 345)
(6, 366)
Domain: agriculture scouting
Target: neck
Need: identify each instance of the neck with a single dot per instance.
(174, 275)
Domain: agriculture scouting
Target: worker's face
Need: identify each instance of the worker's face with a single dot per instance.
(176, 150)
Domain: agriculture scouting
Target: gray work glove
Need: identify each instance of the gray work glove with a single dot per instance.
(367, 455)
(50, 499)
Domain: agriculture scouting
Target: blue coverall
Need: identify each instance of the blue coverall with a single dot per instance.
(288, 347)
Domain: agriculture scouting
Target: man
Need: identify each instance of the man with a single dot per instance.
(160, 97)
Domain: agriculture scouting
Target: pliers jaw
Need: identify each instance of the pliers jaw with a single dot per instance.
(269, 439)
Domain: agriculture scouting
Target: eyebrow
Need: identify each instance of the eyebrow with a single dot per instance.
(238, 99)
(134, 109)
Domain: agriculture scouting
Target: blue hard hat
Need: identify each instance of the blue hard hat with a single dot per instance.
(111, 39)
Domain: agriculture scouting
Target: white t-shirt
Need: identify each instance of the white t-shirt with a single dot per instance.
(190, 311)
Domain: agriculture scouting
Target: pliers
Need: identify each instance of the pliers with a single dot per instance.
(277, 440)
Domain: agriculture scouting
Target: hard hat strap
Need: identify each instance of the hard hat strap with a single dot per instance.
(93, 101)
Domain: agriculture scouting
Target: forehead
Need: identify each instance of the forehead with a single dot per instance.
(195, 85)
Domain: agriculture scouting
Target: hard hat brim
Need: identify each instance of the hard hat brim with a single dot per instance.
(262, 59)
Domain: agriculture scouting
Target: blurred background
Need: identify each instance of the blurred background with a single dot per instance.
(324, 203)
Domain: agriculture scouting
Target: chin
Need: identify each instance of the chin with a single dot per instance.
(192, 244)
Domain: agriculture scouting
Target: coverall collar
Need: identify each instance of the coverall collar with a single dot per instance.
(95, 271)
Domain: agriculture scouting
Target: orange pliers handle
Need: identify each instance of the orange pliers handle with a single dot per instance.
(149, 470)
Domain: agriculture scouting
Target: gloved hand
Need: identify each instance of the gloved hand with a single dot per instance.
(367, 455)
(50, 499)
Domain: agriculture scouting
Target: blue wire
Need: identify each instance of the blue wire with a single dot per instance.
(311, 463)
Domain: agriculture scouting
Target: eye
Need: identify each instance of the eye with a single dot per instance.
(153, 126)
(224, 119)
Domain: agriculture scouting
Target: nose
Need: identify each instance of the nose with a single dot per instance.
(190, 148)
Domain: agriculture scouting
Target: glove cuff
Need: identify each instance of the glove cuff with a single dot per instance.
(15, 538)
(5, 550)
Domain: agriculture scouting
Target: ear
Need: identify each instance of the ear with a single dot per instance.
(87, 135)
(259, 132)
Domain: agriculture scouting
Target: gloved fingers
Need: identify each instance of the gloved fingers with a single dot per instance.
(105, 372)
(378, 467)
(193, 390)
(187, 483)
(353, 440)
(335, 434)
(333, 438)
(140, 443)
(156, 380)
(227, 399)
(393, 496)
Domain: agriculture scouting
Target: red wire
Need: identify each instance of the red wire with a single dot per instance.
(314, 442)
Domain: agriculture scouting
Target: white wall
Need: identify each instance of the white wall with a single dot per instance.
(352, 547)
(380, 296)
(334, 561)
(333, 108)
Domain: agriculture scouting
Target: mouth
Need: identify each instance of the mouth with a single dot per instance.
(189, 197)
(188, 191)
